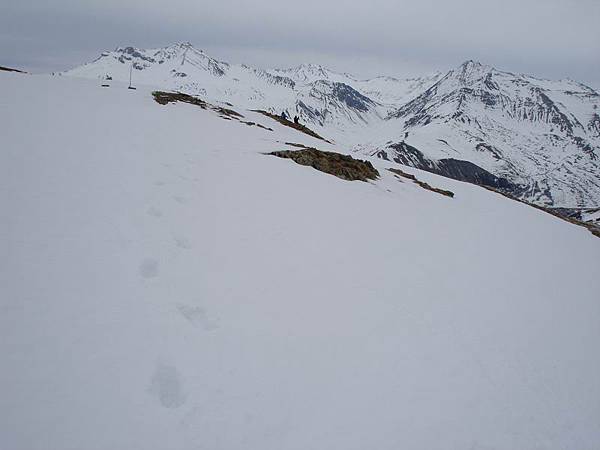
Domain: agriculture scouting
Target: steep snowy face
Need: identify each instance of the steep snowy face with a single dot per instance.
(540, 134)
(334, 103)
(270, 78)
(475, 90)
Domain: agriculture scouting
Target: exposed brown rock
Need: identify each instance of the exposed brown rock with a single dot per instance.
(342, 166)
(164, 98)
(422, 183)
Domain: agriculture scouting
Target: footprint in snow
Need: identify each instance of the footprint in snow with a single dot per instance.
(167, 387)
(198, 317)
(154, 212)
(149, 268)
(183, 242)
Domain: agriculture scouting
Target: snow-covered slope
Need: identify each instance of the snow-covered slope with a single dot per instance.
(542, 136)
(166, 285)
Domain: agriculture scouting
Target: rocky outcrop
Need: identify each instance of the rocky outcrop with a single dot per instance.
(342, 166)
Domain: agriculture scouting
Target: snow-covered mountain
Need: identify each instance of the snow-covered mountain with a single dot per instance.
(165, 284)
(539, 138)
(541, 135)
(317, 95)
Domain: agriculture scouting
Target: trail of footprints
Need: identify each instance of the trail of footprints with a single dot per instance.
(150, 267)
(166, 383)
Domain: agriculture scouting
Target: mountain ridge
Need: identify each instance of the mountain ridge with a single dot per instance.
(541, 135)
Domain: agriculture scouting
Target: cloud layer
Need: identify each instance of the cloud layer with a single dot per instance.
(551, 38)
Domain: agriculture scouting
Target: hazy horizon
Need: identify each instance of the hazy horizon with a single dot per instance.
(553, 40)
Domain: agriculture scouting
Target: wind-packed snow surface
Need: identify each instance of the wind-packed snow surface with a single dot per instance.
(166, 285)
(542, 136)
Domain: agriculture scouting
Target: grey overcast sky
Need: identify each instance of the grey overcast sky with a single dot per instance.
(546, 38)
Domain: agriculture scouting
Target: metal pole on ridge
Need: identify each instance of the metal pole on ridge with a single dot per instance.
(130, 75)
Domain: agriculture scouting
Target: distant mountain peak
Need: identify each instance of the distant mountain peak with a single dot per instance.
(307, 72)
(127, 49)
(471, 63)
(310, 66)
(184, 46)
(471, 70)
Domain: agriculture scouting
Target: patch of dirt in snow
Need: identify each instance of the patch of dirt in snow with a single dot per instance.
(164, 98)
(9, 69)
(254, 124)
(292, 144)
(342, 166)
(422, 183)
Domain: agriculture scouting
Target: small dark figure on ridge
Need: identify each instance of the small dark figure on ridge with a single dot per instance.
(296, 120)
